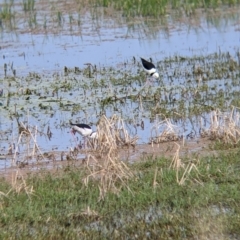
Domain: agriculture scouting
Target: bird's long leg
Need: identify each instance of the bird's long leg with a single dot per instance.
(75, 139)
(85, 142)
(148, 82)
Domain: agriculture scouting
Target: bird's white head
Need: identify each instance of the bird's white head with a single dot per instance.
(73, 131)
(155, 75)
(93, 135)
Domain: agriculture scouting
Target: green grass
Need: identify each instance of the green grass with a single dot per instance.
(207, 209)
(28, 5)
(157, 8)
(6, 12)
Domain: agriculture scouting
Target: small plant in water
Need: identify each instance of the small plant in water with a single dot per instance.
(28, 5)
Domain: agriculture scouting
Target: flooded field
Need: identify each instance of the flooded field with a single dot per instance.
(58, 65)
(165, 163)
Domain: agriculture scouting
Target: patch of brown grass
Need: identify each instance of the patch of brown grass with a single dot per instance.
(163, 131)
(224, 126)
(28, 139)
(103, 163)
(19, 184)
(183, 171)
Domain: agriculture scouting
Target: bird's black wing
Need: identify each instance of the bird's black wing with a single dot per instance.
(147, 65)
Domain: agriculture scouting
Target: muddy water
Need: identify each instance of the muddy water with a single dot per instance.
(104, 45)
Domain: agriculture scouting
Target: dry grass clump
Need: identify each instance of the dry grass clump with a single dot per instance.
(163, 131)
(112, 132)
(103, 163)
(19, 184)
(27, 138)
(183, 171)
(123, 138)
(25, 149)
(224, 126)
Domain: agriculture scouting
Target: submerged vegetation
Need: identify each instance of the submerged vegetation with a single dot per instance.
(189, 88)
(185, 195)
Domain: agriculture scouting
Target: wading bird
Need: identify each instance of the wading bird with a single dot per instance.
(150, 68)
(83, 129)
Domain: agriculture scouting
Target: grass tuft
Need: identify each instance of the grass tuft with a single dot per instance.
(104, 165)
(224, 126)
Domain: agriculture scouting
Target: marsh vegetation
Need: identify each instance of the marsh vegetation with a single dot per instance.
(108, 190)
(204, 203)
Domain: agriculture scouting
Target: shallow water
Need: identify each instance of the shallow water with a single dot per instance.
(105, 44)
(102, 43)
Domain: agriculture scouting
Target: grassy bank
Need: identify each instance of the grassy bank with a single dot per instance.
(162, 203)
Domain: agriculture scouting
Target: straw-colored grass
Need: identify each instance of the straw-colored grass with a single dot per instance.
(19, 184)
(26, 148)
(163, 131)
(103, 162)
(183, 171)
(28, 138)
(3, 195)
(224, 126)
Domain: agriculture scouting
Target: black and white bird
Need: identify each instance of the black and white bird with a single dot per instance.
(150, 68)
(83, 129)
